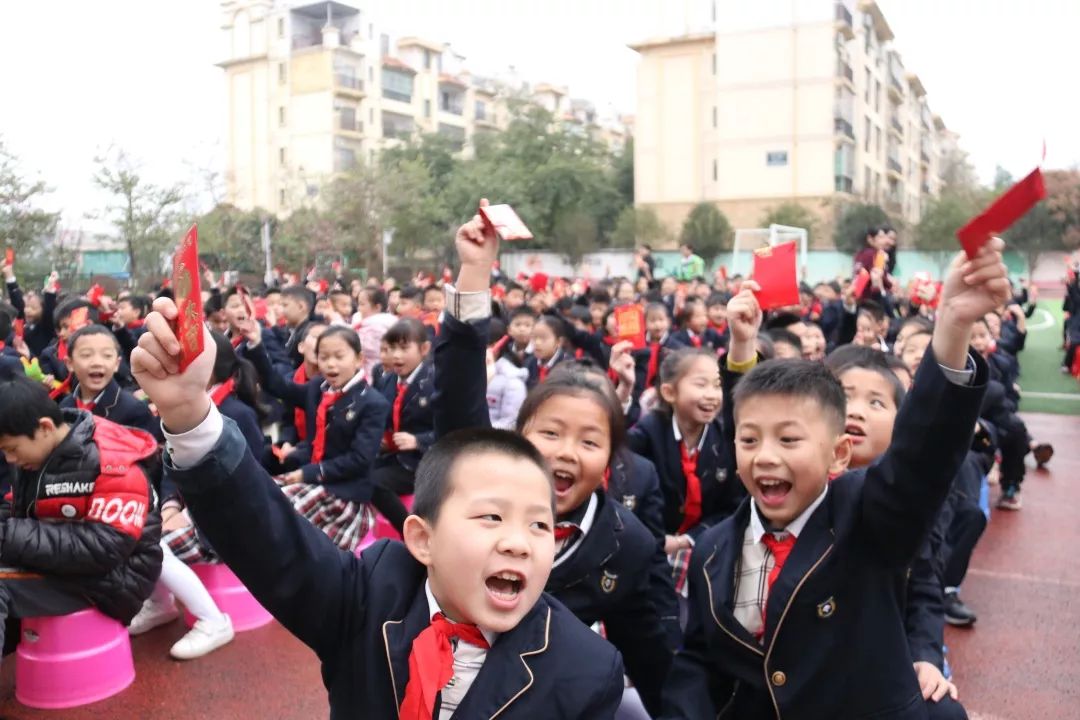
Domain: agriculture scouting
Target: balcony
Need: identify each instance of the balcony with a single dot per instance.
(843, 22)
(894, 166)
(924, 157)
(926, 188)
(454, 105)
(844, 72)
(844, 184)
(896, 126)
(844, 128)
(348, 123)
(348, 85)
(896, 89)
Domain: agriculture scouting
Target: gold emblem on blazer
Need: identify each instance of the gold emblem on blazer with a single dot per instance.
(721, 475)
(607, 581)
(826, 608)
(350, 415)
(629, 501)
(423, 402)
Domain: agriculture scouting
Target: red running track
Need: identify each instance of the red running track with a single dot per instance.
(1020, 662)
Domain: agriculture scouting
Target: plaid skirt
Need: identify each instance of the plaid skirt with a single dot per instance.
(345, 522)
(186, 544)
(680, 568)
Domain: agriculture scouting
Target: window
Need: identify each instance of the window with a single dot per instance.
(714, 63)
(714, 116)
(776, 158)
(715, 171)
(877, 96)
(427, 108)
(384, 45)
(281, 156)
(396, 125)
(427, 59)
(869, 85)
(282, 74)
(877, 141)
(370, 74)
(866, 142)
(481, 110)
(281, 28)
(281, 116)
(455, 134)
(866, 183)
(397, 85)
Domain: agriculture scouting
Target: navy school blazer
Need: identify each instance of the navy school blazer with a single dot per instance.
(121, 407)
(247, 420)
(709, 339)
(721, 491)
(354, 430)
(361, 615)
(835, 611)
(636, 486)
(416, 417)
(618, 574)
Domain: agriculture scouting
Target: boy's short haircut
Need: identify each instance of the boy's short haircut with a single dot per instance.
(272, 290)
(846, 357)
(496, 330)
(405, 331)
(896, 364)
(780, 335)
(835, 285)
(140, 303)
(63, 312)
(213, 305)
(924, 324)
(601, 297)
(23, 403)
(299, 293)
(522, 311)
(91, 330)
(782, 321)
(308, 328)
(512, 286)
(433, 473)
(579, 313)
(376, 297)
(411, 292)
(716, 298)
(873, 309)
(796, 379)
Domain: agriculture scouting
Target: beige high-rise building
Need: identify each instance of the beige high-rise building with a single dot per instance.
(800, 100)
(313, 88)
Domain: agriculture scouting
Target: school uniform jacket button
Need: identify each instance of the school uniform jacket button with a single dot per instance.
(779, 678)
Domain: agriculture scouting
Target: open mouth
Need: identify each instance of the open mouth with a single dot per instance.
(504, 587)
(773, 491)
(95, 377)
(857, 434)
(563, 481)
(708, 408)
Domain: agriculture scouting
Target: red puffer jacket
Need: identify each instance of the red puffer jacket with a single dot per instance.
(87, 517)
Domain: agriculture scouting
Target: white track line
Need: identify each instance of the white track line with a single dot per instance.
(1045, 323)
(1051, 396)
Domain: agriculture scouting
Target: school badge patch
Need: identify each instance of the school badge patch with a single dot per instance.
(350, 415)
(721, 475)
(423, 402)
(629, 501)
(826, 609)
(607, 581)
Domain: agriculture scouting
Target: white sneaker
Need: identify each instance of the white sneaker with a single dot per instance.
(205, 637)
(152, 615)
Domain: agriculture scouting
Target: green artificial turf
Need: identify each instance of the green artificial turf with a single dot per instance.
(1040, 366)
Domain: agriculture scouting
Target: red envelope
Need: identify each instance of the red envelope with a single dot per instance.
(188, 292)
(504, 221)
(858, 285)
(630, 324)
(9, 256)
(79, 318)
(1002, 213)
(20, 327)
(93, 295)
(775, 271)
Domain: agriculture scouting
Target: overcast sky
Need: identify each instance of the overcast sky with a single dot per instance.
(80, 76)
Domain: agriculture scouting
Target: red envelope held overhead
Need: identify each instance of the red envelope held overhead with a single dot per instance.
(858, 285)
(1003, 212)
(9, 256)
(630, 324)
(775, 271)
(188, 293)
(505, 222)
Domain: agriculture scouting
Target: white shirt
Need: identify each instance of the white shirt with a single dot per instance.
(795, 527)
(678, 434)
(468, 659)
(586, 525)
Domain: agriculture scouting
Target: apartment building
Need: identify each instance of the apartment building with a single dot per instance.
(314, 88)
(767, 103)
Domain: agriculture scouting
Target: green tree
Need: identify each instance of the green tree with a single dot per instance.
(624, 172)
(708, 231)
(301, 238)
(146, 216)
(791, 214)
(1035, 233)
(849, 234)
(636, 226)
(231, 239)
(936, 231)
(1063, 202)
(23, 225)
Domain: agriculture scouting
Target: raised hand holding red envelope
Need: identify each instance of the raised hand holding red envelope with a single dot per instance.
(1002, 213)
(775, 273)
(858, 286)
(188, 292)
(630, 325)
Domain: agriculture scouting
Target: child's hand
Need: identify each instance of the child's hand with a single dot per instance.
(932, 683)
(971, 289)
(404, 441)
(292, 478)
(252, 331)
(477, 247)
(9, 271)
(744, 319)
(181, 398)
(622, 362)
(286, 449)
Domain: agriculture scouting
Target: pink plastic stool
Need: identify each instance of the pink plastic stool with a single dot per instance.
(71, 660)
(231, 597)
(383, 528)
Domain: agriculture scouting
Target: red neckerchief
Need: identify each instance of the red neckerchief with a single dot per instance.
(87, 406)
(318, 445)
(695, 340)
(654, 364)
(135, 324)
(692, 506)
(62, 389)
(431, 664)
(61, 350)
(299, 416)
(223, 391)
(395, 415)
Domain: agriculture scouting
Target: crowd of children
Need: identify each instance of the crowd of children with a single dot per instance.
(745, 507)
